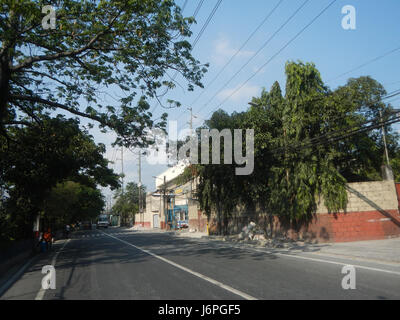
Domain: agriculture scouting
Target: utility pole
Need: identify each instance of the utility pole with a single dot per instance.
(122, 175)
(140, 188)
(384, 139)
(191, 129)
(192, 116)
(122, 168)
(191, 119)
(165, 212)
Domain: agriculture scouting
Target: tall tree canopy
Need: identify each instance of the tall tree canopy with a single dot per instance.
(41, 157)
(305, 147)
(79, 203)
(125, 47)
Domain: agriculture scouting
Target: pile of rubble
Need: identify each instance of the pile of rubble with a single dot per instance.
(253, 234)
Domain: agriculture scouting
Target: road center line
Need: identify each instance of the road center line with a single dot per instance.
(199, 275)
(41, 292)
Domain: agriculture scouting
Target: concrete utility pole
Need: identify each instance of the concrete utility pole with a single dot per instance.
(165, 212)
(140, 188)
(191, 119)
(192, 116)
(163, 190)
(384, 139)
(191, 128)
(387, 172)
(122, 175)
(122, 168)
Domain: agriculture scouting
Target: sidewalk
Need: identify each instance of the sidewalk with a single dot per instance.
(188, 234)
(8, 278)
(386, 251)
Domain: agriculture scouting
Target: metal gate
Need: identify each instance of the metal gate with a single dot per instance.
(156, 222)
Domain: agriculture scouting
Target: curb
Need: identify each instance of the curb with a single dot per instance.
(8, 278)
(15, 273)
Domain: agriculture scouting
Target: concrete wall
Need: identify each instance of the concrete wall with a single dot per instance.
(369, 196)
(372, 213)
(146, 218)
(197, 220)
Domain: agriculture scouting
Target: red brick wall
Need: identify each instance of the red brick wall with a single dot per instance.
(372, 225)
(346, 227)
(145, 224)
(352, 226)
(341, 227)
(372, 213)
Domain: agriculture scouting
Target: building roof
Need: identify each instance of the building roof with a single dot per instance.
(171, 173)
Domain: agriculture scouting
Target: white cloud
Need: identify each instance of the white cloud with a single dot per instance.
(223, 51)
(239, 95)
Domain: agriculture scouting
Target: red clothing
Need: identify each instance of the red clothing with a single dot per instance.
(47, 236)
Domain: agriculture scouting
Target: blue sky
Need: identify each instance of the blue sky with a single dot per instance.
(333, 50)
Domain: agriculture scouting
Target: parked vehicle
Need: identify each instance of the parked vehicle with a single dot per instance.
(103, 221)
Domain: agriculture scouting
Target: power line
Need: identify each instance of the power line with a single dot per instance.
(276, 54)
(236, 53)
(326, 138)
(391, 95)
(341, 117)
(391, 83)
(198, 8)
(184, 5)
(366, 63)
(258, 51)
(211, 15)
(173, 78)
(196, 11)
(206, 23)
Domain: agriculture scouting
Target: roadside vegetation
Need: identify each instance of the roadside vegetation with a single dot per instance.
(100, 65)
(309, 142)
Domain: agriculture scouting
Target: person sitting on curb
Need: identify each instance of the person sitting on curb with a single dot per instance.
(47, 236)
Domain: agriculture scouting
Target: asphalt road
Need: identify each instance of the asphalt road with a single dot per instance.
(121, 264)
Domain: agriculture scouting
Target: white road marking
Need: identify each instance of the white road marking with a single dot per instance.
(319, 260)
(199, 275)
(41, 292)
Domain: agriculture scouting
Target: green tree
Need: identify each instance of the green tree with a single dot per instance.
(360, 101)
(301, 177)
(39, 158)
(97, 47)
(127, 202)
(309, 142)
(220, 190)
(79, 203)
